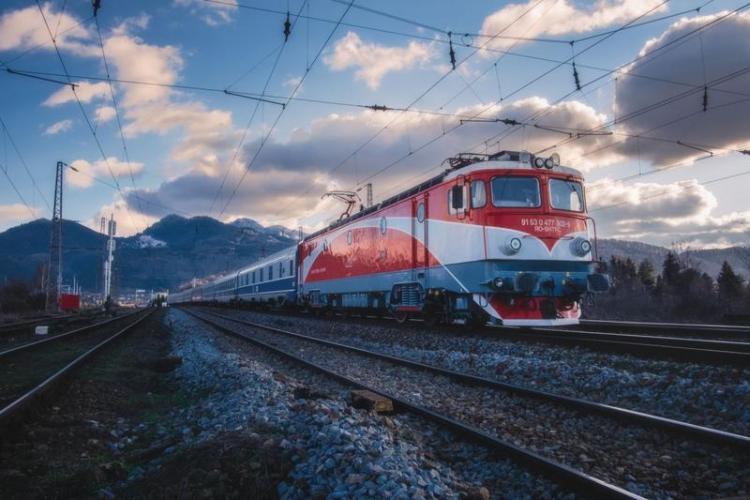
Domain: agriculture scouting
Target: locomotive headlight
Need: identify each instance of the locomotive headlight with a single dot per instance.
(580, 246)
(549, 163)
(512, 246)
(497, 283)
(538, 162)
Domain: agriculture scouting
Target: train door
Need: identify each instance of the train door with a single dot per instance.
(420, 235)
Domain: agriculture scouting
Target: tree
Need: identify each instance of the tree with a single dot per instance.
(671, 270)
(647, 273)
(730, 284)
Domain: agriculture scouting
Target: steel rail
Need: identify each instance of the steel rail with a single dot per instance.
(555, 471)
(700, 350)
(624, 414)
(53, 338)
(13, 410)
(677, 327)
(9, 327)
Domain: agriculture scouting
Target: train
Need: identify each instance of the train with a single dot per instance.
(500, 238)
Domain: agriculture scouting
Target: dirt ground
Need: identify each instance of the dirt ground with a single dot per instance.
(66, 450)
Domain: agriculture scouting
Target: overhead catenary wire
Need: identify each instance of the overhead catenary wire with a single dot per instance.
(259, 100)
(439, 137)
(6, 132)
(83, 110)
(656, 52)
(539, 114)
(115, 106)
(281, 112)
(421, 96)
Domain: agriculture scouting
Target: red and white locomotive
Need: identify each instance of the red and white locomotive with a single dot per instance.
(503, 238)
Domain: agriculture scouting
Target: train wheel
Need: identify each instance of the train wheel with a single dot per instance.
(401, 317)
(432, 318)
(477, 320)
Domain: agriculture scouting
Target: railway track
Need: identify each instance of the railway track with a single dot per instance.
(32, 370)
(701, 350)
(690, 330)
(18, 326)
(578, 480)
(683, 349)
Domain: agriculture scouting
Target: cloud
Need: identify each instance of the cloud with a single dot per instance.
(128, 221)
(17, 212)
(24, 29)
(560, 18)
(85, 172)
(133, 59)
(724, 125)
(375, 61)
(213, 14)
(57, 127)
(285, 183)
(86, 92)
(105, 113)
(664, 214)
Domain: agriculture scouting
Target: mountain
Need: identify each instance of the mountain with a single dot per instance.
(708, 261)
(172, 251)
(176, 249)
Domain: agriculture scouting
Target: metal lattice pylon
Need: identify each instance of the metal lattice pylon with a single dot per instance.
(54, 274)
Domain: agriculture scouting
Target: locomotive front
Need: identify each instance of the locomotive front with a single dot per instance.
(538, 258)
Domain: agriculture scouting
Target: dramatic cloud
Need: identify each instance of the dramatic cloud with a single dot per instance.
(57, 127)
(285, 183)
(213, 14)
(82, 173)
(375, 61)
(680, 212)
(560, 17)
(715, 55)
(85, 91)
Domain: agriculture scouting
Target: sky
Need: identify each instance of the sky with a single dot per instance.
(200, 107)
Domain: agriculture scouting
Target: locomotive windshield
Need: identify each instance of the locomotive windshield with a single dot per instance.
(566, 195)
(513, 191)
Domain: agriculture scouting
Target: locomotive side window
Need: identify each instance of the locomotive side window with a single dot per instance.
(513, 191)
(420, 212)
(456, 199)
(478, 194)
(566, 195)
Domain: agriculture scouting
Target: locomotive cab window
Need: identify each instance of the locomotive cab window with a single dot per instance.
(566, 195)
(514, 191)
(478, 194)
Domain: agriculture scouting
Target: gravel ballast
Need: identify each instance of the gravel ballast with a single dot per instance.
(336, 451)
(644, 461)
(713, 396)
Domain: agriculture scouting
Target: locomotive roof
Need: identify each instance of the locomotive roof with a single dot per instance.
(460, 165)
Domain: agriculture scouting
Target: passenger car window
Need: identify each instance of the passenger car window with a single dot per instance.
(566, 195)
(270, 272)
(513, 191)
(478, 194)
